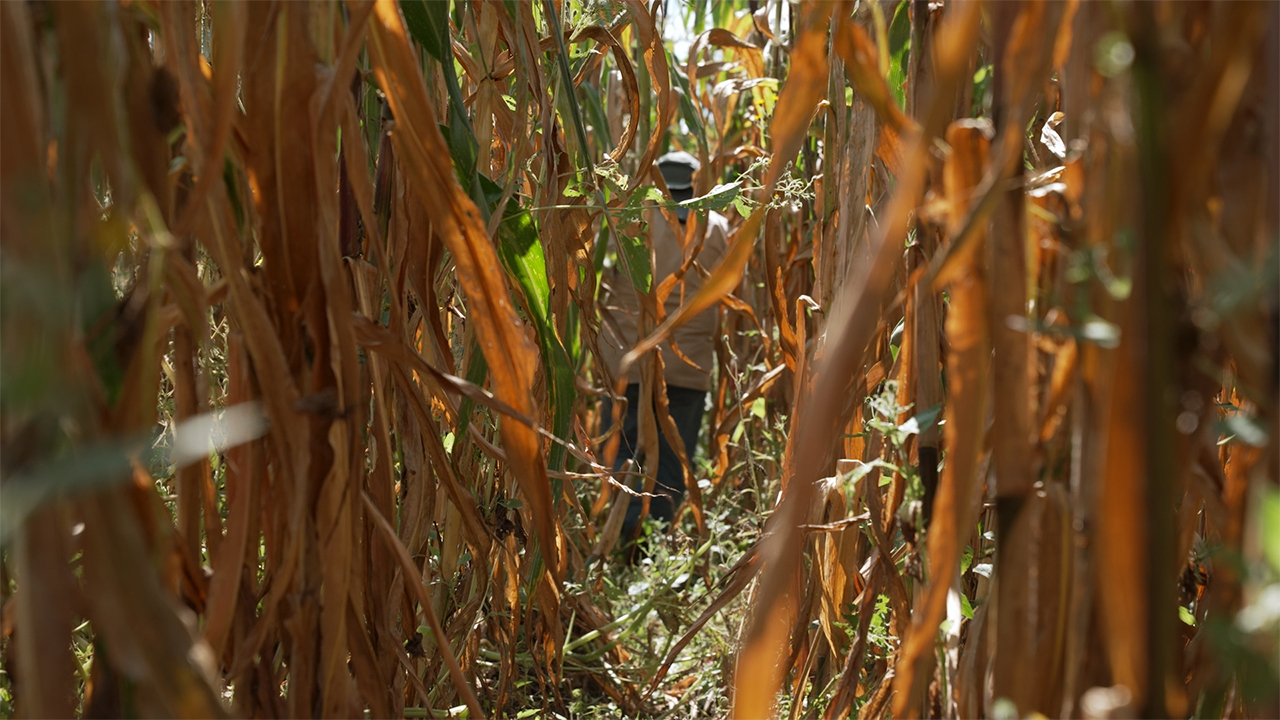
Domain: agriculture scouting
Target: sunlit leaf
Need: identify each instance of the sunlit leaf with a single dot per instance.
(718, 198)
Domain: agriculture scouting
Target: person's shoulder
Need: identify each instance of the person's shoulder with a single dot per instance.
(716, 237)
(716, 221)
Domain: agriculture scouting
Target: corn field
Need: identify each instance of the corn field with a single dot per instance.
(302, 381)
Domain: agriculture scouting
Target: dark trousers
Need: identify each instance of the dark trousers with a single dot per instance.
(686, 408)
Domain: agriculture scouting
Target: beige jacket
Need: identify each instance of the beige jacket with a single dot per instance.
(696, 338)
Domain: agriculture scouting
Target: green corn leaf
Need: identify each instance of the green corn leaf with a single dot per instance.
(720, 197)
(428, 23)
(899, 51)
(521, 254)
(639, 267)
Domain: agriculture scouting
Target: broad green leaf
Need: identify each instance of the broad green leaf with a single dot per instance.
(688, 113)
(899, 51)
(718, 198)
(521, 253)
(921, 421)
(462, 148)
(721, 12)
(595, 108)
(698, 8)
(428, 23)
(601, 249)
(631, 212)
(638, 267)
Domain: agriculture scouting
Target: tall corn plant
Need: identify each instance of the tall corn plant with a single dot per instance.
(1088, 397)
(1001, 269)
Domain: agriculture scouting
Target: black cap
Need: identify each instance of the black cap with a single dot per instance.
(677, 169)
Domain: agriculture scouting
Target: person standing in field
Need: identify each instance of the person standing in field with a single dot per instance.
(688, 378)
